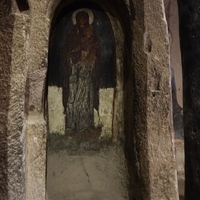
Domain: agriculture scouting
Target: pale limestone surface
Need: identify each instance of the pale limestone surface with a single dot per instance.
(95, 176)
(56, 117)
(37, 56)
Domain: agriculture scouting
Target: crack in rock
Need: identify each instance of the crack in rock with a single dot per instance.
(81, 159)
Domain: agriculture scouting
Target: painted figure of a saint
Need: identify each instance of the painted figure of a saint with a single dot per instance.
(81, 73)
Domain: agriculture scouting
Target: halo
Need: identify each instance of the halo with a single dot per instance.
(88, 11)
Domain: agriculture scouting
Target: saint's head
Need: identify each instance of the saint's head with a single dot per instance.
(82, 19)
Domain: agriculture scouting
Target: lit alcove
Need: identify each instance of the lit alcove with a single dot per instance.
(85, 158)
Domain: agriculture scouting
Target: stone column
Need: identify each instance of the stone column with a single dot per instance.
(16, 114)
(36, 158)
(6, 35)
(37, 56)
(148, 120)
(161, 155)
(190, 48)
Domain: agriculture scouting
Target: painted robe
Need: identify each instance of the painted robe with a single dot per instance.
(81, 77)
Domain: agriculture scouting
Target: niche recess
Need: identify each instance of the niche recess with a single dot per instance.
(83, 89)
(86, 103)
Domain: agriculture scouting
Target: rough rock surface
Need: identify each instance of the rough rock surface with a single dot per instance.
(36, 159)
(6, 34)
(152, 138)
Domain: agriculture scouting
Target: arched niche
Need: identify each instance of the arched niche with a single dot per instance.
(111, 59)
(82, 81)
(112, 38)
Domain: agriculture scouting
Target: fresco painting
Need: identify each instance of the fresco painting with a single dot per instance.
(82, 63)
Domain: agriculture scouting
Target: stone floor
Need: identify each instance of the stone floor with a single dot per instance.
(87, 176)
(63, 179)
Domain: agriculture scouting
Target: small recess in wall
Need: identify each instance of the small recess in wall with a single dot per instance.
(22, 5)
